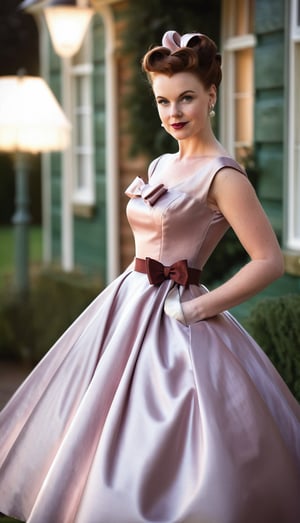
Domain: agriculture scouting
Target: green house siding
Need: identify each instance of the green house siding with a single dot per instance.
(271, 26)
(56, 192)
(269, 106)
(56, 202)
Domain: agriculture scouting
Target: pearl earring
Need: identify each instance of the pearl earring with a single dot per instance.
(212, 113)
(162, 125)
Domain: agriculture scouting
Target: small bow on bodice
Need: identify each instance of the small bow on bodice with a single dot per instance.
(149, 193)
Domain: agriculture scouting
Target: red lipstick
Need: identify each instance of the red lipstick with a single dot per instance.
(178, 125)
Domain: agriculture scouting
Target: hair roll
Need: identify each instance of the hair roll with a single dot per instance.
(199, 56)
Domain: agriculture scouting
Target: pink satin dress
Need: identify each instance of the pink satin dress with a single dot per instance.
(135, 417)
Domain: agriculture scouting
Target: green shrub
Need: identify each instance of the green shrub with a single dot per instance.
(30, 326)
(15, 327)
(274, 324)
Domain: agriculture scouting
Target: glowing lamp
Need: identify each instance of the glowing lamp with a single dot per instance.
(67, 26)
(31, 119)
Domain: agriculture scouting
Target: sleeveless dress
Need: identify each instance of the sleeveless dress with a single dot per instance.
(135, 417)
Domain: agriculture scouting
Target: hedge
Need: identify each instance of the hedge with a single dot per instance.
(29, 326)
(274, 324)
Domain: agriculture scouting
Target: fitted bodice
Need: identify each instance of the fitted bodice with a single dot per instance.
(176, 223)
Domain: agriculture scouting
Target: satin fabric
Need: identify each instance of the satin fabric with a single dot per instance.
(135, 417)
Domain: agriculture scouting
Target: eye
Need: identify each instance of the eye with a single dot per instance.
(162, 101)
(187, 98)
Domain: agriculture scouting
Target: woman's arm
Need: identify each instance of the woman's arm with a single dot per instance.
(235, 197)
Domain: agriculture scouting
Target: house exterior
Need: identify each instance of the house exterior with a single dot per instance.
(84, 221)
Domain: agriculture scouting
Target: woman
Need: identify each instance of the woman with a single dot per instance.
(155, 405)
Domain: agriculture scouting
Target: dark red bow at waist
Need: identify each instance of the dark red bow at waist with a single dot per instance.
(157, 272)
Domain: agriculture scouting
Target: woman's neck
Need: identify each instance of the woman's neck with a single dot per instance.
(200, 149)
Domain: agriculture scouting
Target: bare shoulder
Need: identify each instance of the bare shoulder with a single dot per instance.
(230, 175)
(229, 184)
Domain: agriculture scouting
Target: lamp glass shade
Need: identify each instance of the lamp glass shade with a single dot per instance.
(31, 120)
(67, 26)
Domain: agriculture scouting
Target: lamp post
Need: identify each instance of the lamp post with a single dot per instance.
(31, 121)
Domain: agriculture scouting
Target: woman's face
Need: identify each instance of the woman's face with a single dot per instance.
(183, 104)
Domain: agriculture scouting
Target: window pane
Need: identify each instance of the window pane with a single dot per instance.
(83, 128)
(79, 90)
(79, 130)
(81, 181)
(82, 69)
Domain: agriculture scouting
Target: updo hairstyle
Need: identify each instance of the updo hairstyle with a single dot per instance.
(194, 53)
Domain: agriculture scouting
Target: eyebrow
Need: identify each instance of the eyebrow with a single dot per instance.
(180, 95)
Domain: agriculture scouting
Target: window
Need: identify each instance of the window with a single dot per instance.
(293, 192)
(82, 120)
(238, 81)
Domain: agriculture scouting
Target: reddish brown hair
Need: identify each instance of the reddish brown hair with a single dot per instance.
(199, 57)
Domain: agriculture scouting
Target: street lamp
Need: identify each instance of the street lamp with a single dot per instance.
(67, 22)
(31, 121)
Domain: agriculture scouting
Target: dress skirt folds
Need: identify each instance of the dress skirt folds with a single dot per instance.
(134, 416)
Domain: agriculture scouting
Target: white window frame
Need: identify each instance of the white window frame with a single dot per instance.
(230, 45)
(84, 195)
(293, 189)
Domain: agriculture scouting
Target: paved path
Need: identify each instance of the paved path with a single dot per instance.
(11, 376)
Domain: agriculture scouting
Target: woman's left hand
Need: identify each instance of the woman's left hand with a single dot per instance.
(186, 312)
(190, 311)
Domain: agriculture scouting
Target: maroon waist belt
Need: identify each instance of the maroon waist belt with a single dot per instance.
(178, 272)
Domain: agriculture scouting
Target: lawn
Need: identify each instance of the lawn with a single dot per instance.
(7, 250)
(4, 519)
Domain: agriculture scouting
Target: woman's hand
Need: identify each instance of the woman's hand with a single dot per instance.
(191, 310)
(186, 312)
